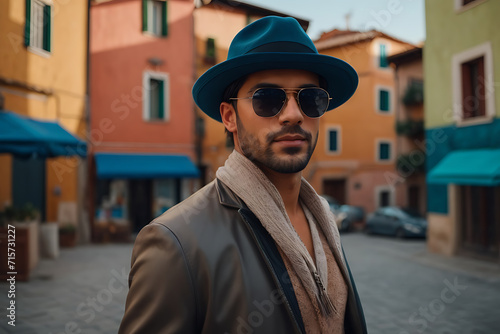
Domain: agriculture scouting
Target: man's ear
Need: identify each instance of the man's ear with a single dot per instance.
(228, 115)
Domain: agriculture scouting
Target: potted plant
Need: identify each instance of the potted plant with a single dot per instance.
(67, 235)
(22, 225)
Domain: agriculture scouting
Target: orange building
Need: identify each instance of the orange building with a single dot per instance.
(141, 148)
(355, 156)
(216, 24)
(43, 78)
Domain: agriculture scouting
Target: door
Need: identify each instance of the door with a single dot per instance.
(335, 188)
(140, 203)
(28, 183)
(480, 215)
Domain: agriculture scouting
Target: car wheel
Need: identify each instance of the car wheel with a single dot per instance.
(400, 233)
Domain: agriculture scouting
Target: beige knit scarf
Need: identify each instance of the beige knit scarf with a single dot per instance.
(250, 184)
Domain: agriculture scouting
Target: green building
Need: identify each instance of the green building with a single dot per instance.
(462, 121)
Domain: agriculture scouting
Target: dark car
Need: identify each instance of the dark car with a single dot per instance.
(353, 214)
(396, 221)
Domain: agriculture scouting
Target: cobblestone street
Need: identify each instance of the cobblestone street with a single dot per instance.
(404, 290)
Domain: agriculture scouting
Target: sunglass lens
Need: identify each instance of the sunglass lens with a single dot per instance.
(267, 102)
(313, 101)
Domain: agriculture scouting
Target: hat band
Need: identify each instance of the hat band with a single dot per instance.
(283, 47)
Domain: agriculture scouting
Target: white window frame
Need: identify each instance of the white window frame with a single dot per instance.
(338, 128)
(392, 195)
(147, 76)
(379, 141)
(39, 50)
(378, 88)
(459, 8)
(482, 50)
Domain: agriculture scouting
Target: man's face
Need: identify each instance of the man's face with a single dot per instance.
(283, 143)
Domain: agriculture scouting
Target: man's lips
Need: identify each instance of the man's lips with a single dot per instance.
(290, 140)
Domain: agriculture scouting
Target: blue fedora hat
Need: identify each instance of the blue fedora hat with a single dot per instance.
(273, 43)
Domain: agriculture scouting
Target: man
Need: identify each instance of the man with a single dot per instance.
(256, 250)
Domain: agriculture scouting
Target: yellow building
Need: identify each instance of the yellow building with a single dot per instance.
(43, 76)
(354, 160)
(215, 26)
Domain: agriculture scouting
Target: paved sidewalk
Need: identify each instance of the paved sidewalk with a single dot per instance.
(83, 291)
(404, 290)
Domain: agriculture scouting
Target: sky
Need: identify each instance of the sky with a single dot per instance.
(403, 19)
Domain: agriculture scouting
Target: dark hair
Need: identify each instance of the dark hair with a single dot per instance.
(230, 92)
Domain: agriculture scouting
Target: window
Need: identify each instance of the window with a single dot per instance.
(383, 63)
(210, 51)
(156, 99)
(384, 151)
(384, 104)
(473, 99)
(38, 25)
(462, 5)
(154, 17)
(333, 139)
(473, 87)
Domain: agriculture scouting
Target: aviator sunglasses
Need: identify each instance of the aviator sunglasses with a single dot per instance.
(268, 102)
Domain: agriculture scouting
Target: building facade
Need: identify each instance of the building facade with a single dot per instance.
(216, 24)
(43, 79)
(410, 142)
(355, 157)
(142, 148)
(462, 111)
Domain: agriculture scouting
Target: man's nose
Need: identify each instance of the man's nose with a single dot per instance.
(291, 112)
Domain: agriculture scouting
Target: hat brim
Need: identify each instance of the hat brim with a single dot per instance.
(208, 90)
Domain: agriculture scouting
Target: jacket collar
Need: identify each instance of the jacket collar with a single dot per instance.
(226, 196)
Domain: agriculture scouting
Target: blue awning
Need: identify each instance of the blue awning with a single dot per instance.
(468, 167)
(26, 137)
(143, 166)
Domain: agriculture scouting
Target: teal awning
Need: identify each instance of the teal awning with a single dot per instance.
(468, 167)
(26, 137)
(144, 166)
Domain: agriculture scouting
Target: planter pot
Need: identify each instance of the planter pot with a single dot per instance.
(26, 249)
(49, 240)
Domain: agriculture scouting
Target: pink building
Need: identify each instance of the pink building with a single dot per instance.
(141, 152)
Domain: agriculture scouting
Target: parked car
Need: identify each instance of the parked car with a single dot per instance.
(335, 209)
(345, 215)
(396, 221)
(353, 214)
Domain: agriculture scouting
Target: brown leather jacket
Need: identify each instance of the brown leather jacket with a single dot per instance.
(208, 266)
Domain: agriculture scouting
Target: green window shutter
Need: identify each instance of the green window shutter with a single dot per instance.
(210, 48)
(384, 151)
(383, 56)
(27, 27)
(161, 100)
(164, 21)
(47, 26)
(144, 15)
(333, 140)
(384, 100)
